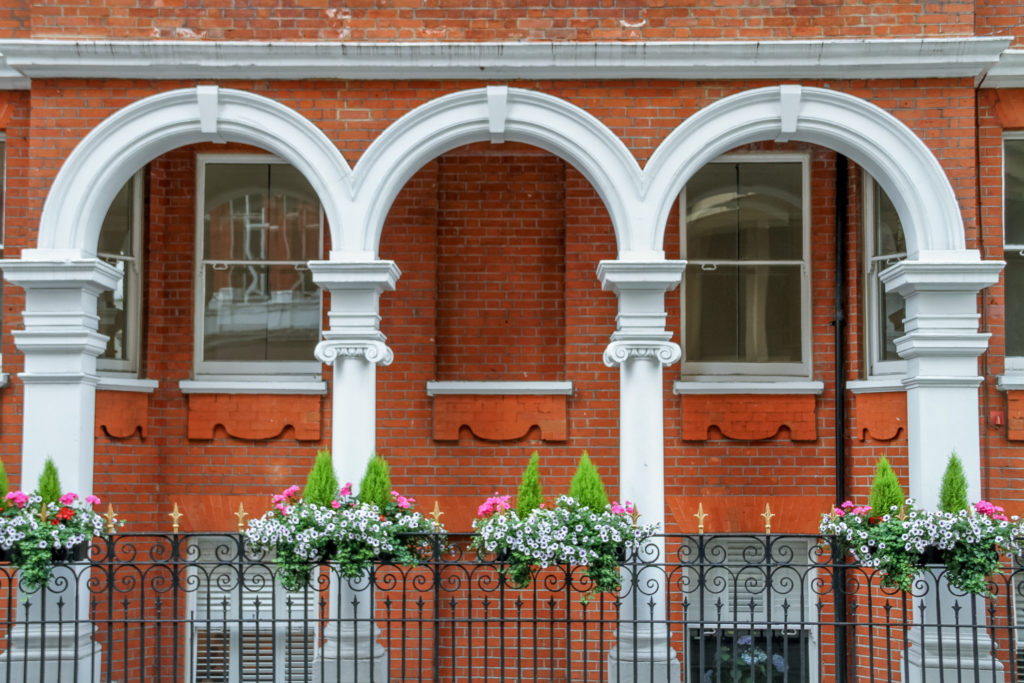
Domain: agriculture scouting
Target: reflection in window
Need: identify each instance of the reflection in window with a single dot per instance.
(261, 224)
(119, 310)
(885, 246)
(1013, 232)
(745, 244)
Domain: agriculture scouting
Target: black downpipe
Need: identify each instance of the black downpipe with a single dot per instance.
(839, 363)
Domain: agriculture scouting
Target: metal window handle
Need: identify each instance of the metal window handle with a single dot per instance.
(219, 266)
(708, 267)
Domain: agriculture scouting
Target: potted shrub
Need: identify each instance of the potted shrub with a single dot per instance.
(583, 529)
(47, 527)
(328, 524)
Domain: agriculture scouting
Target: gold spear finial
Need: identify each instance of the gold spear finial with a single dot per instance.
(111, 517)
(635, 514)
(241, 514)
(436, 515)
(767, 514)
(175, 516)
(902, 516)
(701, 516)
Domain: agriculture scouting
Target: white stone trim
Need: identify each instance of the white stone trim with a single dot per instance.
(499, 388)
(784, 387)
(770, 59)
(107, 157)
(878, 384)
(134, 384)
(239, 386)
(1008, 72)
(1010, 382)
(11, 78)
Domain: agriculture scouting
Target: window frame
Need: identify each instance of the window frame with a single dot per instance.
(761, 371)
(1013, 365)
(874, 290)
(133, 279)
(3, 188)
(235, 370)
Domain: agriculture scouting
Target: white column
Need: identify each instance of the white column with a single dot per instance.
(641, 347)
(942, 345)
(60, 344)
(354, 345)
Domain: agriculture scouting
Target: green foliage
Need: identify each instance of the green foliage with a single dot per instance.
(4, 486)
(953, 494)
(886, 492)
(586, 486)
(49, 483)
(531, 495)
(376, 485)
(322, 484)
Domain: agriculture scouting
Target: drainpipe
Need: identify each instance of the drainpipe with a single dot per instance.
(839, 364)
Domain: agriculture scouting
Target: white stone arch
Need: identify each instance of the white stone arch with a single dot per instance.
(120, 145)
(496, 113)
(892, 153)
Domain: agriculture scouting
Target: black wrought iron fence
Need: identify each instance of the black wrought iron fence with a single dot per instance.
(704, 608)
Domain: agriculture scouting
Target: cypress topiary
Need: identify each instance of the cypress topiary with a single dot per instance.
(376, 485)
(886, 492)
(49, 483)
(4, 486)
(530, 493)
(322, 484)
(953, 494)
(586, 486)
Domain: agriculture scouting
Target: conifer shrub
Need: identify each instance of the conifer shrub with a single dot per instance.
(376, 485)
(886, 491)
(586, 486)
(4, 485)
(531, 495)
(953, 494)
(49, 483)
(322, 483)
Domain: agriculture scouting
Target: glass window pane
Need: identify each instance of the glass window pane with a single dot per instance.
(744, 314)
(112, 307)
(745, 211)
(3, 179)
(1014, 191)
(891, 312)
(889, 238)
(257, 313)
(116, 232)
(1014, 304)
(260, 212)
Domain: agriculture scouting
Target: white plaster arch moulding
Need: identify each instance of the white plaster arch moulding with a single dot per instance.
(356, 201)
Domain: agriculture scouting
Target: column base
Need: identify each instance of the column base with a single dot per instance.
(352, 669)
(45, 655)
(958, 660)
(639, 670)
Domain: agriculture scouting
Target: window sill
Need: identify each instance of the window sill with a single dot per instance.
(247, 386)
(1011, 381)
(133, 384)
(876, 385)
(499, 388)
(787, 387)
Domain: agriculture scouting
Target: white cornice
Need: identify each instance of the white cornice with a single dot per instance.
(788, 59)
(1008, 72)
(499, 388)
(11, 79)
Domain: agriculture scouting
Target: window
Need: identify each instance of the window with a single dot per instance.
(754, 603)
(1013, 236)
(884, 245)
(3, 184)
(120, 310)
(257, 307)
(255, 632)
(746, 292)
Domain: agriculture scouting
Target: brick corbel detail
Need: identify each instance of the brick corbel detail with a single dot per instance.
(254, 417)
(500, 418)
(120, 414)
(749, 417)
(1015, 415)
(880, 416)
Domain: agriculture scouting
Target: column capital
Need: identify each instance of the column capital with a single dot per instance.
(640, 322)
(355, 275)
(621, 350)
(372, 350)
(620, 276)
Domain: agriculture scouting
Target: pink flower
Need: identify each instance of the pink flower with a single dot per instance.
(278, 498)
(404, 502)
(838, 512)
(291, 491)
(990, 510)
(494, 504)
(92, 500)
(346, 490)
(335, 504)
(68, 498)
(19, 498)
(846, 504)
(618, 509)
